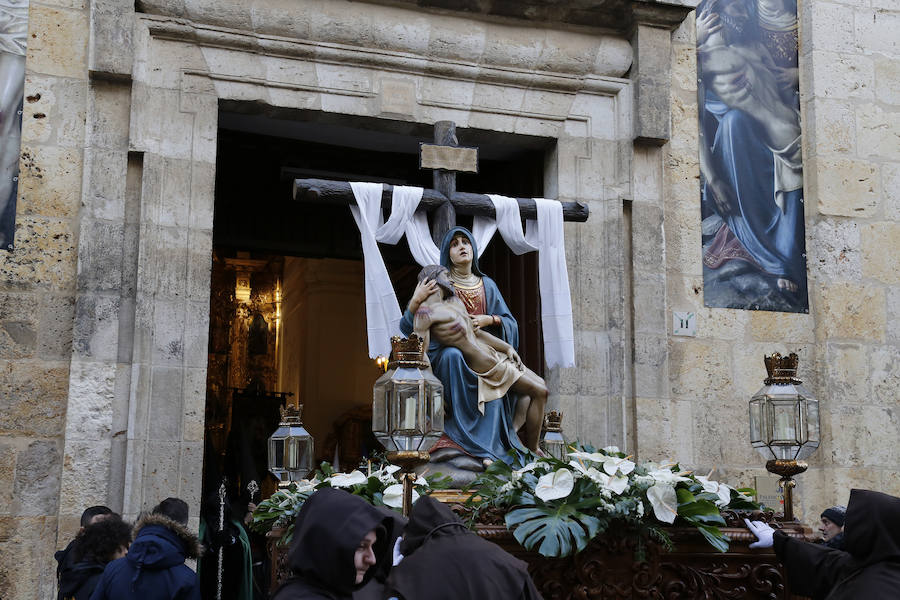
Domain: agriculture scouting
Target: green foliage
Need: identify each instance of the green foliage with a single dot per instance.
(378, 487)
(553, 507)
(558, 514)
(553, 530)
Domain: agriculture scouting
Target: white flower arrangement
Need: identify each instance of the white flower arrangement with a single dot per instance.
(379, 487)
(557, 507)
(554, 507)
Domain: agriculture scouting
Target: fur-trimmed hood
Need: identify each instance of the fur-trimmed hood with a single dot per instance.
(162, 536)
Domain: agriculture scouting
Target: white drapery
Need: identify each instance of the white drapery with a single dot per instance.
(544, 234)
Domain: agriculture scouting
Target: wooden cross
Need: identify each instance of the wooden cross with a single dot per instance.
(447, 158)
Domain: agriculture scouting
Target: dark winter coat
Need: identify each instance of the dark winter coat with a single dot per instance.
(79, 580)
(65, 560)
(328, 531)
(836, 542)
(154, 568)
(869, 566)
(443, 560)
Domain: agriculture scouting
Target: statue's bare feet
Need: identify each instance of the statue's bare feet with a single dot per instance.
(540, 453)
(787, 285)
(487, 462)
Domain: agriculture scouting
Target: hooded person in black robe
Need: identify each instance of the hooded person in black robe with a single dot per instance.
(869, 565)
(443, 560)
(330, 528)
(374, 589)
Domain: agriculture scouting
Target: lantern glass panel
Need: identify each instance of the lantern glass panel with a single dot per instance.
(291, 452)
(407, 410)
(554, 444)
(276, 453)
(756, 421)
(785, 426)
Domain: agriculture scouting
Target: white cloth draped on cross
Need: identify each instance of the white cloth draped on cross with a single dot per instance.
(545, 234)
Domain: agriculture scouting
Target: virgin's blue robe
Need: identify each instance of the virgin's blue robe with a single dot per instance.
(740, 157)
(490, 435)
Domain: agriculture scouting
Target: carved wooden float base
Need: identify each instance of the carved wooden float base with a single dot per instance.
(608, 570)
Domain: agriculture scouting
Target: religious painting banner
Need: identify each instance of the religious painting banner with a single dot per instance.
(751, 175)
(13, 37)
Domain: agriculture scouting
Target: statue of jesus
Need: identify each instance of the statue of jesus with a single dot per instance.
(442, 316)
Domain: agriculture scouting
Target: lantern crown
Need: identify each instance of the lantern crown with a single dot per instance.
(407, 352)
(553, 421)
(291, 413)
(782, 369)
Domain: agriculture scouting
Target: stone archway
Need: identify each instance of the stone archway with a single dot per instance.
(182, 70)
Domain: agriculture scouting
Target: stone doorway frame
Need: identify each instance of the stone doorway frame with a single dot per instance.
(181, 71)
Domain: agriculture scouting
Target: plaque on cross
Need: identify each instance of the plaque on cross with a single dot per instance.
(446, 158)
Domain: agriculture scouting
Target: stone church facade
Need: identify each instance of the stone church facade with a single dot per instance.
(104, 303)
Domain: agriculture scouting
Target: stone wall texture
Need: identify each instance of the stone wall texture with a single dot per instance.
(848, 343)
(38, 298)
(104, 303)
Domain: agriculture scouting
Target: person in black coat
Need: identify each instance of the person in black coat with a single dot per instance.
(832, 526)
(99, 543)
(65, 558)
(869, 565)
(154, 568)
(338, 539)
(443, 560)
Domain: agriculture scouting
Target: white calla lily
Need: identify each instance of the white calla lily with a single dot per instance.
(342, 480)
(617, 485)
(611, 449)
(664, 501)
(528, 468)
(611, 464)
(393, 495)
(666, 475)
(305, 485)
(596, 476)
(722, 490)
(596, 457)
(386, 474)
(555, 485)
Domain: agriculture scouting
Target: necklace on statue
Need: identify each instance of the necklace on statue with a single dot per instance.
(469, 289)
(466, 281)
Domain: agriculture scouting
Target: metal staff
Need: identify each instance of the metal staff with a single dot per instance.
(221, 548)
(252, 490)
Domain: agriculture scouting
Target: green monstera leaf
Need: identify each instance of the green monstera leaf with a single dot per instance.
(703, 514)
(553, 531)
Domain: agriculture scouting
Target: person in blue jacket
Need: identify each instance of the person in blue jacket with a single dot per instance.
(154, 567)
(493, 434)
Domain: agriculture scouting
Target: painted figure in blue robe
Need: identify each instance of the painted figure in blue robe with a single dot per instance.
(492, 435)
(750, 155)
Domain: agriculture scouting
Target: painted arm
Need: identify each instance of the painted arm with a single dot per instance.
(422, 328)
(499, 345)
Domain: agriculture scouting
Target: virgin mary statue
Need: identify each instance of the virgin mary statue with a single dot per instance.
(491, 435)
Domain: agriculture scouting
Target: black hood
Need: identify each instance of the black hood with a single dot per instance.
(327, 533)
(429, 519)
(71, 580)
(394, 524)
(443, 560)
(872, 527)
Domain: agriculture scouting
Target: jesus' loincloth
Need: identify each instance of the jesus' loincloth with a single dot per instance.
(494, 383)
